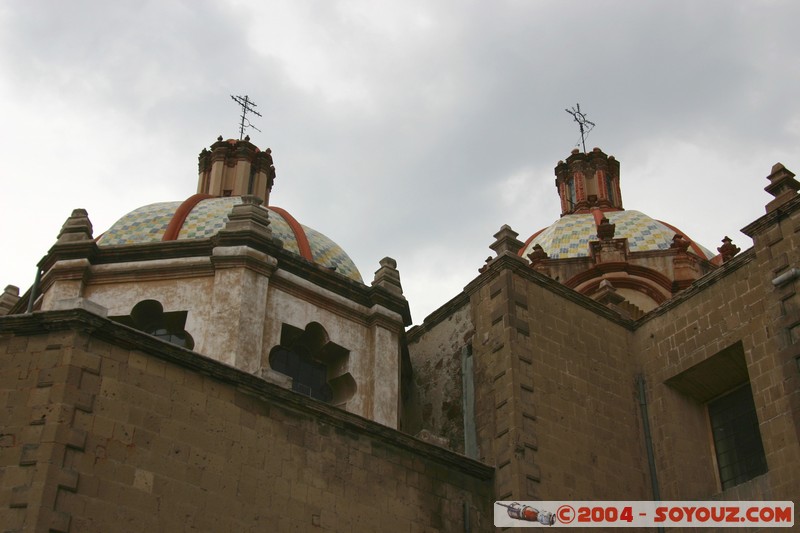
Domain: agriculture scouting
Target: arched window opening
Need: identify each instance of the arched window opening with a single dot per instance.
(572, 197)
(610, 190)
(149, 316)
(317, 366)
(309, 377)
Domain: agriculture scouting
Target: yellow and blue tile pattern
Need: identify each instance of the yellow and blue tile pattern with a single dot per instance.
(149, 223)
(145, 224)
(571, 234)
(328, 253)
(207, 218)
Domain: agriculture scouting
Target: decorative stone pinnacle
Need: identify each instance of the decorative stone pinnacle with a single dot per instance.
(248, 217)
(538, 254)
(388, 277)
(728, 249)
(680, 243)
(782, 186)
(388, 262)
(77, 227)
(605, 230)
(506, 241)
(8, 298)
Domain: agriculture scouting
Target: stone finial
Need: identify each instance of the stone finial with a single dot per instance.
(685, 267)
(485, 266)
(538, 254)
(248, 217)
(8, 299)
(506, 241)
(388, 277)
(782, 186)
(680, 243)
(605, 230)
(728, 249)
(77, 227)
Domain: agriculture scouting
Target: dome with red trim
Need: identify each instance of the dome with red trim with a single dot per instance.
(570, 236)
(201, 217)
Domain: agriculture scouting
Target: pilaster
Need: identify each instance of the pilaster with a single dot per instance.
(239, 304)
(505, 410)
(47, 430)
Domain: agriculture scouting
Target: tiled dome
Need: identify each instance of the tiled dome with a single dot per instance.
(206, 216)
(570, 235)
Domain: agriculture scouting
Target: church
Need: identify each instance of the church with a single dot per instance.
(212, 364)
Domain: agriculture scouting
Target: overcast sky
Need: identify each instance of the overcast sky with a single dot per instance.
(411, 129)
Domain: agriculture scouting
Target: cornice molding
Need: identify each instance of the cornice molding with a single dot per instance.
(773, 217)
(86, 323)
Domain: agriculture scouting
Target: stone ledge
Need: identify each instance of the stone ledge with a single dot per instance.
(523, 269)
(494, 268)
(771, 218)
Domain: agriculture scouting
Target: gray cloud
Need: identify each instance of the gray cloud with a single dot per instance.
(411, 130)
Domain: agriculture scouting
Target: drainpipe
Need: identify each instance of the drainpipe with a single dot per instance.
(648, 441)
(34, 289)
(790, 275)
(468, 402)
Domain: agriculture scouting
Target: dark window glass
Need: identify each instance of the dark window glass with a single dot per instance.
(737, 441)
(309, 377)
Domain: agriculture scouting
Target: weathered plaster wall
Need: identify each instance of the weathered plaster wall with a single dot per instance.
(371, 335)
(436, 357)
(237, 303)
(186, 294)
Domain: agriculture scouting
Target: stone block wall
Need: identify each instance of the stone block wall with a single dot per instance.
(677, 340)
(588, 422)
(737, 308)
(555, 392)
(107, 429)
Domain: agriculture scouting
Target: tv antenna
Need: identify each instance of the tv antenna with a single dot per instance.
(583, 123)
(247, 106)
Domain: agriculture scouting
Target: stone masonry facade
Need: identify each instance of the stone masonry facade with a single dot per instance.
(105, 428)
(519, 388)
(556, 376)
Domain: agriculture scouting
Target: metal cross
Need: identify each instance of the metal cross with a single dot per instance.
(247, 105)
(583, 123)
